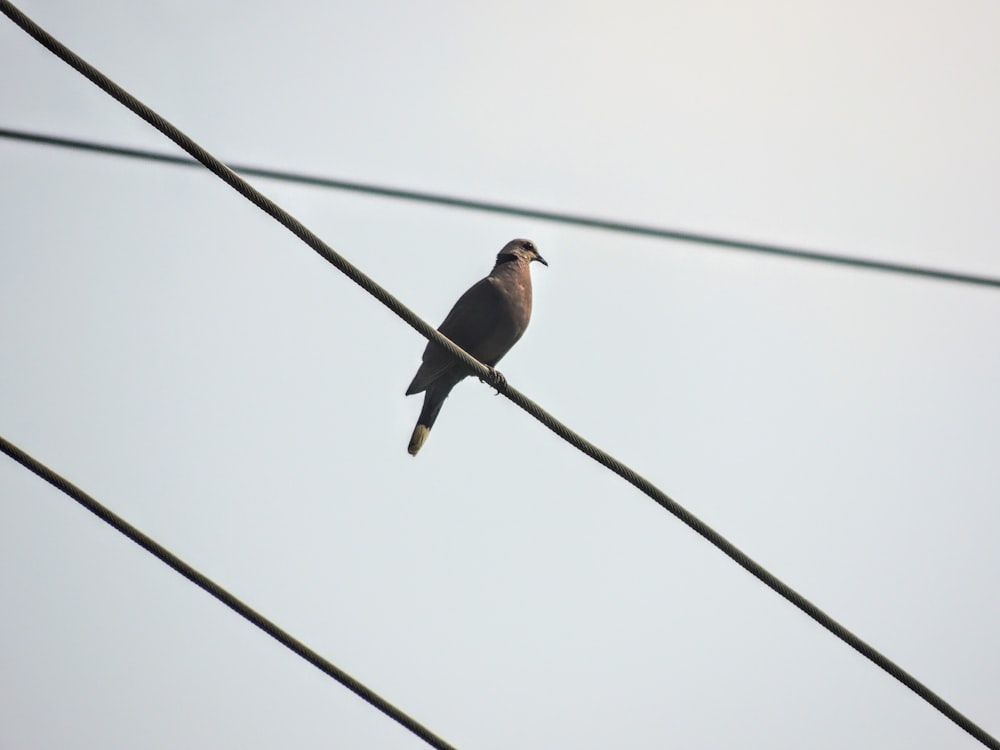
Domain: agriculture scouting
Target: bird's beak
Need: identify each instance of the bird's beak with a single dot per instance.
(541, 260)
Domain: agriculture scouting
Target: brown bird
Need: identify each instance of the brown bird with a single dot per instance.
(486, 321)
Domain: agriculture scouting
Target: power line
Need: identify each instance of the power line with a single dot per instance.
(208, 585)
(493, 378)
(511, 210)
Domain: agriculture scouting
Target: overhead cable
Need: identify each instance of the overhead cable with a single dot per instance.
(492, 377)
(207, 584)
(511, 210)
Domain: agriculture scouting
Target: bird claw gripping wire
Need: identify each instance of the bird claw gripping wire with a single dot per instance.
(496, 380)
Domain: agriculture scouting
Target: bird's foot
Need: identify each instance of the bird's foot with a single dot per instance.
(497, 381)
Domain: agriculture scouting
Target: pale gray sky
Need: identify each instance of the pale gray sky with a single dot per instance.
(183, 358)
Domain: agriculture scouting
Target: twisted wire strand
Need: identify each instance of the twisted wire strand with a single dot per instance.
(558, 217)
(207, 584)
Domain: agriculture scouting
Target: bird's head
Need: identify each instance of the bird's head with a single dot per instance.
(520, 250)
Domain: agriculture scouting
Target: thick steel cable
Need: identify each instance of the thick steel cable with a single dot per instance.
(207, 584)
(493, 378)
(510, 210)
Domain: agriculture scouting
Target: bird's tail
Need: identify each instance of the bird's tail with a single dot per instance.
(420, 433)
(433, 400)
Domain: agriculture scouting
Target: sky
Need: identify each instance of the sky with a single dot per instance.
(184, 359)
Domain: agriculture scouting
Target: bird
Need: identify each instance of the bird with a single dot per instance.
(486, 322)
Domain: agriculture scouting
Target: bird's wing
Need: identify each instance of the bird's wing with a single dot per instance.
(471, 323)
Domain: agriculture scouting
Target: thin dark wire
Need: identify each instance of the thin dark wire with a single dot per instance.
(491, 377)
(507, 209)
(207, 584)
